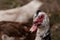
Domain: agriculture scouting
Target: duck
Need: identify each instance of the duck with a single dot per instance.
(20, 14)
(41, 26)
(14, 30)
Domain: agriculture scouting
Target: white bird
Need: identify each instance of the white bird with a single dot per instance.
(21, 14)
(41, 24)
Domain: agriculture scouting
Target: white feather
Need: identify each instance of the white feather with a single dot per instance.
(21, 14)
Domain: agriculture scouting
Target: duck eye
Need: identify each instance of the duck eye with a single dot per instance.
(38, 24)
(42, 16)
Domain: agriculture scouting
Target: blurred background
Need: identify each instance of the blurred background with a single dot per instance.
(52, 7)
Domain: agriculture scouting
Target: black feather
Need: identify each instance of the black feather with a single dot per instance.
(38, 12)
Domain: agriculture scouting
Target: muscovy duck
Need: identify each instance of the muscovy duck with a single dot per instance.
(41, 25)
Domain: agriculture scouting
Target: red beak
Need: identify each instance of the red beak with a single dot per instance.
(33, 28)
